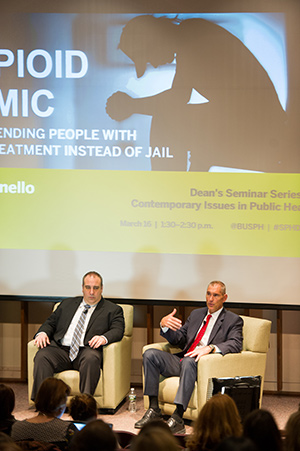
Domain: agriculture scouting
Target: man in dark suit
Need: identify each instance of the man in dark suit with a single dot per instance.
(209, 329)
(66, 346)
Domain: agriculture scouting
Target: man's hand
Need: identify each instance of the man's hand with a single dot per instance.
(171, 321)
(198, 352)
(97, 341)
(42, 340)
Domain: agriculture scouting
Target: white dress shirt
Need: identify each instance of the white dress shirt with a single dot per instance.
(67, 339)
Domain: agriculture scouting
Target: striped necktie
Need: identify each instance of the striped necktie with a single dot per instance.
(199, 335)
(74, 348)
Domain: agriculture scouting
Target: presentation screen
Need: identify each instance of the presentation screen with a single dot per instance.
(160, 149)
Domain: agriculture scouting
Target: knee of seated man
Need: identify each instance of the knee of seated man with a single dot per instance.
(91, 356)
(188, 363)
(150, 354)
(41, 354)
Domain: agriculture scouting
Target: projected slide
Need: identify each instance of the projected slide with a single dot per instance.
(176, 133)
(145, 92)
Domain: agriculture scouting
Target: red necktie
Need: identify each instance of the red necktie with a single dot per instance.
(199, 335)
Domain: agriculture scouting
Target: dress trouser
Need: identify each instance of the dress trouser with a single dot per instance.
(54, 359)
(158, 362)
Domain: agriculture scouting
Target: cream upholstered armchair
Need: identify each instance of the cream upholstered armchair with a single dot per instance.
(250, 362)
(114, 382)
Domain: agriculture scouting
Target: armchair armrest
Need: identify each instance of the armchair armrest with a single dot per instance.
(246, 363)
(31, 351)
(116, 381)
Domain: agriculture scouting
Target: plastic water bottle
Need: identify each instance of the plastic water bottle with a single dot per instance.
(132, 400)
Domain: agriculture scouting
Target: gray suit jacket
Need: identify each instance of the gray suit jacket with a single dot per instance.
(107, 319)
(227, 332)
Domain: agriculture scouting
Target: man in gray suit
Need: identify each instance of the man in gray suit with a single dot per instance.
(66, 346)
(208, 329)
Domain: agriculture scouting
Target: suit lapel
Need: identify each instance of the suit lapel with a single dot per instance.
(69, 311)
(217, 326)
(96, 313)
(75, 305)
(195, 327)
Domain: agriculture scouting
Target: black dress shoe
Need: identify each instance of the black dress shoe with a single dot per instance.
(150, 415)
(176, 425)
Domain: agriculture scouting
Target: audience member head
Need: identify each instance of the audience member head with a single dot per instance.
(292, 429)
(155, 436)
(9, 446)
(7, 402)
(51, 398)
(156, 423)
(4, 438)
(261, 428)
(218, 419)
(7, 443)
(95, 436)
(83, 407)
(236, 444)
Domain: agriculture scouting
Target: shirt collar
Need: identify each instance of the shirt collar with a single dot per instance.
(215, 315)
(83, 303)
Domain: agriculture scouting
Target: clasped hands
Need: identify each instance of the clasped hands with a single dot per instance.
(174, 323)
(42, 340)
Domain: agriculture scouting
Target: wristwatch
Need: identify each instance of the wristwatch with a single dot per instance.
(212, 348)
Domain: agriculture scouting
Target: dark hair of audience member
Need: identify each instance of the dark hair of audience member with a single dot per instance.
(10, 446)
(7, 401)
(156, 423)
(83, 407)
(292, 429)
(7, 405)
(95, 436)
(51, 395)
(261, 428)
(7, 443)
(219, 418)
(4, 438)
(154, 437)
(236, 444)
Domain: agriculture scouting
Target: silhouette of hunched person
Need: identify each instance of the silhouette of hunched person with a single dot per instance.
(74, 335)
(240, 126)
